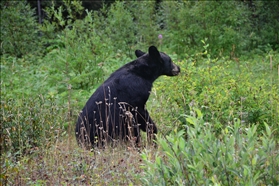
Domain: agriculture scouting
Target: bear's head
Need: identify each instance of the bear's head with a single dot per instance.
(163, 62)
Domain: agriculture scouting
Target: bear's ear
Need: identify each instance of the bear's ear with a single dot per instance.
(139, 53)
(154, 53)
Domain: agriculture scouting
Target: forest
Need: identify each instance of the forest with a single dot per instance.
(218, 120)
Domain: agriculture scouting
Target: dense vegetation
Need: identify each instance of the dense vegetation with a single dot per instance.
(218, 120)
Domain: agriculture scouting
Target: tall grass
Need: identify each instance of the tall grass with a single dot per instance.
(64, 163)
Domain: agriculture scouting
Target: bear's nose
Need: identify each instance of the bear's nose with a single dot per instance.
(175, 70)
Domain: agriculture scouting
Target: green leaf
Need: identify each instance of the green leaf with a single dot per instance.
(267, 129)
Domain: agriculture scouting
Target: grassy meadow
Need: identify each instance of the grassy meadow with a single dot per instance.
(205, 105)
(218, 120)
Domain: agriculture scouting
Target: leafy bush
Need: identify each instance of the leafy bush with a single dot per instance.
(30, 115)
(19, 30)
(223, 89)
(187, 22)
(120, 25)
(265, 24)
(129, 25)
(145, 25)
(29, 123)
(76, 56)
(196, 156)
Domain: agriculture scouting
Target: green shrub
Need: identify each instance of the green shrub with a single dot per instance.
(188, 22)
(223, 89)
(30, 115)
(196, 156)
(120, 26)
(19, 30)
(265, 24)
(30, 122)
(77, 57)
(130, 25)
(145, 25)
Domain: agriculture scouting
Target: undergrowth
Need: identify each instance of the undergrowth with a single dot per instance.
(223, 89)
(195, 155)
(217, 120)
(64, 163)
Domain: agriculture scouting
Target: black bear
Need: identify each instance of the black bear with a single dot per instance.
(116, 111)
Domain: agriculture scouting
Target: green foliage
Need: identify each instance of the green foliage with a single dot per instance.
(73, 9)
(83, 51)
(130, 23)
(145, 27)
(76, 56)
(224, 89)
(30, 114)
(30, 122)
(196, 156)
(21, 77)
(231, 139)
(264, 20)
(120, 23)
(221, 22)
(19, 30)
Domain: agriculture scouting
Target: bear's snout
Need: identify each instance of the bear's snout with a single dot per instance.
(175, 70)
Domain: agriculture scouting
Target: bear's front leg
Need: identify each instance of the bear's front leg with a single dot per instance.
(147, 125)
